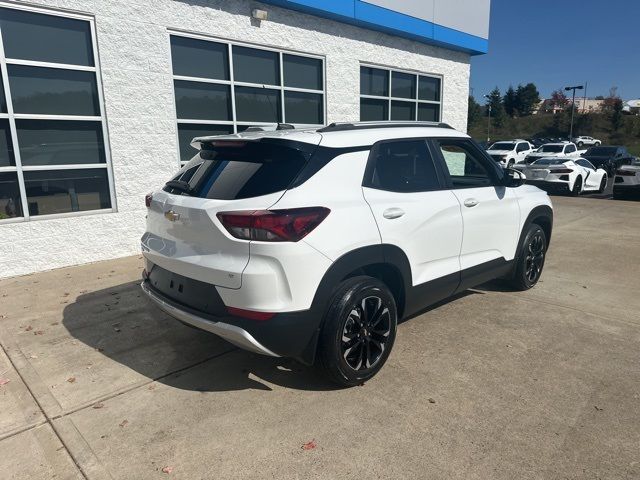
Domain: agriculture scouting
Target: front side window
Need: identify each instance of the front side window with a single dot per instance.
(387, 94)
(222, 88)
(522, 147)
(402, 166)
(53, 154)
(466, 166)
(570, 149)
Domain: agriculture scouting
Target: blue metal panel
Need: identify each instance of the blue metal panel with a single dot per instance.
(363, 14)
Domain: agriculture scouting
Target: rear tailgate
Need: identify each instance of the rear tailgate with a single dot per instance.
(185, 236)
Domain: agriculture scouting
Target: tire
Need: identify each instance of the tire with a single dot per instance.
(358, 331)
(603, 184)
(580, 144)
(530, 259)
(597, 144)
(577, 187)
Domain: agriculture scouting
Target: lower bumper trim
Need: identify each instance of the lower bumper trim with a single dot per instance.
(233, 334)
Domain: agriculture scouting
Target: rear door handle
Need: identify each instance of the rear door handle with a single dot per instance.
(470, 202)
(391, 213)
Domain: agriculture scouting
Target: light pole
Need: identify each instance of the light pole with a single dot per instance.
(488, 120)
(573, 106)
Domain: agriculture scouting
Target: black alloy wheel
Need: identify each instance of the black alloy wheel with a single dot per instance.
(530, 260)
(358, 331)
(365, 333)
(534, 257)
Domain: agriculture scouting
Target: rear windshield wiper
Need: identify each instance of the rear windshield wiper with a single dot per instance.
(180, 185)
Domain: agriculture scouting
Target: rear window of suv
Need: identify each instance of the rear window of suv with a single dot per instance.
(233, 170)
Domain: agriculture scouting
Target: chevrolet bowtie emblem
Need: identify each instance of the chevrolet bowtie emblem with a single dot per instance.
(171, 216)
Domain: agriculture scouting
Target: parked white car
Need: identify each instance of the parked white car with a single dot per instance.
(584, 141)
(565, 175)
(312, 244)
(508, 153)
(627, 181)
(563, 149)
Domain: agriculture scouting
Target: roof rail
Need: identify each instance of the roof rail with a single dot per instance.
(346, 126)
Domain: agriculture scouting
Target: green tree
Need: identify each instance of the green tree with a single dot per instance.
(510, 102)
(527, 98)
(494, 105)
(559, 99)
(474, 113)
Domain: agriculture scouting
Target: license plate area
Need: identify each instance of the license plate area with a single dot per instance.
(186, 291)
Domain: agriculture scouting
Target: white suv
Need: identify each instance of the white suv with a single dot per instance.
(508, 153)
(564, 149)
(312, 244)
(584, 141)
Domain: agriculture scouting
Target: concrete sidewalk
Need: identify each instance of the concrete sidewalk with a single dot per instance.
(490, 385)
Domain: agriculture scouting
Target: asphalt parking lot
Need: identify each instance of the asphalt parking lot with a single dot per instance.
(489, 385)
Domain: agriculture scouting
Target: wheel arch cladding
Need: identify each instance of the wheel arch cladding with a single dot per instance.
(541, 215)
(387, 263)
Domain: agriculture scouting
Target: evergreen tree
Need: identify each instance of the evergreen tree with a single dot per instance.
(474, 112)
(509, 102)
(527, 98)
(494, 101)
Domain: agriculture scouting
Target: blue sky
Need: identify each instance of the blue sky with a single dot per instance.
(559, 43)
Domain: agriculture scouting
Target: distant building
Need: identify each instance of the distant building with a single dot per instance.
(632, 107)
(583, 105)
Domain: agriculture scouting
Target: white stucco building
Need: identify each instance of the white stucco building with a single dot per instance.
(100, 98)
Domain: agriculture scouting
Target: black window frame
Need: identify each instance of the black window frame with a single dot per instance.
(367, 180)
(495, 171)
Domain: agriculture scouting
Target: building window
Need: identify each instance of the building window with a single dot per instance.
(53, 155)
(395, 95)
(223, 88)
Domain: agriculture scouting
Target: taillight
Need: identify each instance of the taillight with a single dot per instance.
(147, 199)
(561, 170)
(289, 225)
(626, 173)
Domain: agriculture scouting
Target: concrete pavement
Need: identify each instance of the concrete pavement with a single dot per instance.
(490, 385)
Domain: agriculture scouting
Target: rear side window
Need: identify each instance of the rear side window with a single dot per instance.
(235, 170)
(402, 166)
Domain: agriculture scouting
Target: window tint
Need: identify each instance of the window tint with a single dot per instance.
(374, 81)
(203, 101)
(53, 91)
(189, 131)
(258, 105)
(570, 149)
(372, 109)
(429, 89)
(10, 203)
(428, 112)
(302, 72)
(252, 170)
(62, 191)
(585, 163)
(465, 165)
(403, 85)
(522, 147)
(251, 65)
(7, 158)
(45, 38)
(60, 142)
(302, 107)
(422, 94)
(403, 110)
(199, 58)
(56, 123)
(402, 166)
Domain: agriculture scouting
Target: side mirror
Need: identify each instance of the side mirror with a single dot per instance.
(513, 178)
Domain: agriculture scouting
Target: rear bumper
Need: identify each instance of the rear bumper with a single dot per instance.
(621, 188)
(233, 334)
(291, 334)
